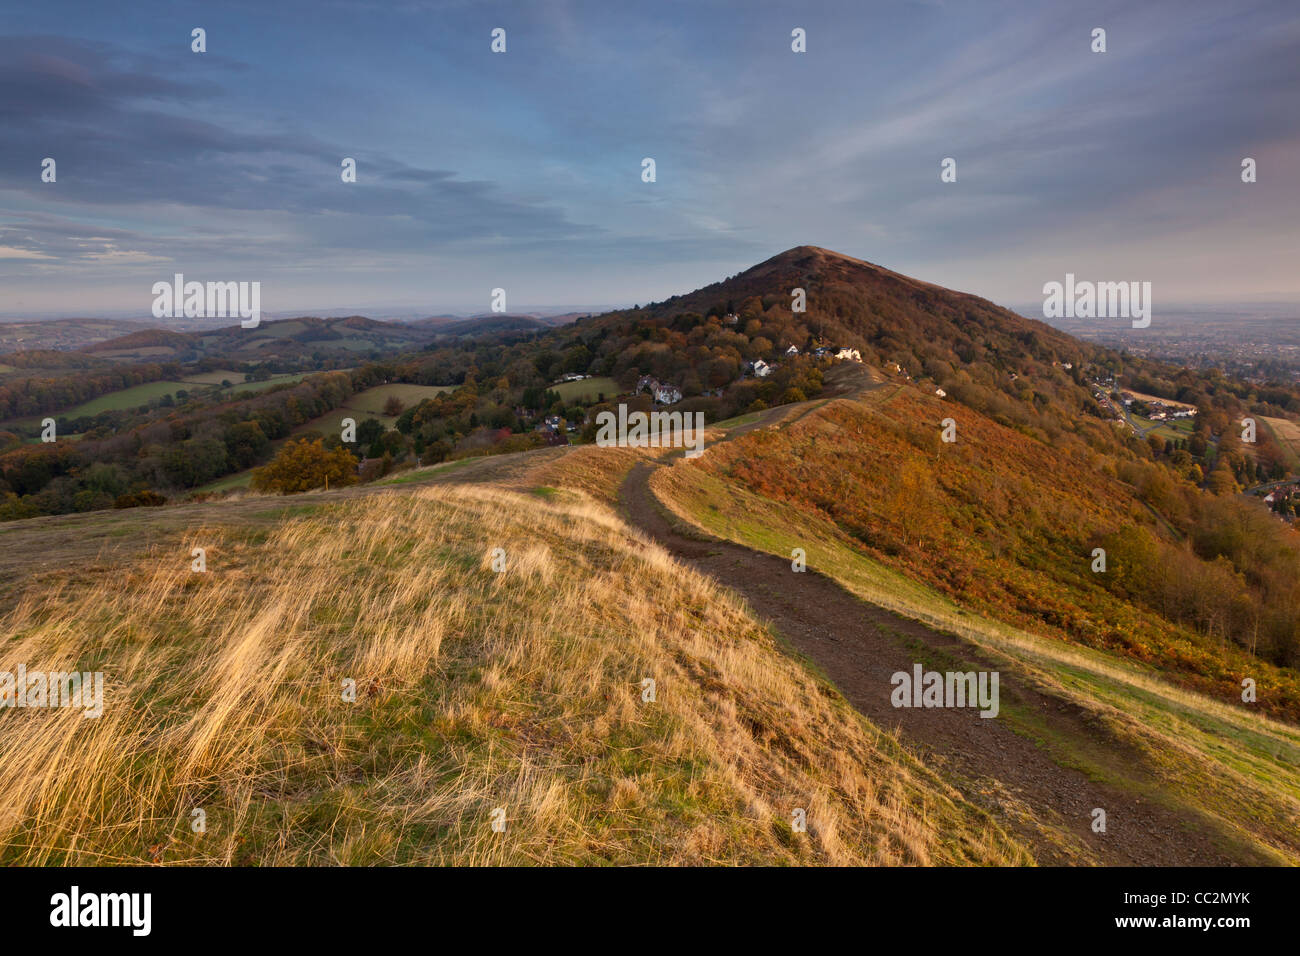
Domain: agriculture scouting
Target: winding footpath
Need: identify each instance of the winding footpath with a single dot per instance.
(860, 645)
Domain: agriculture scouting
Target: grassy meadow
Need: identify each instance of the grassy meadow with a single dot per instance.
(475, 690)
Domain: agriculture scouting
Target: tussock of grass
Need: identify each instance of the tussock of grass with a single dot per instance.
(474, 690)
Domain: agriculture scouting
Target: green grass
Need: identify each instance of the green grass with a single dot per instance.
(372, 399)
(215, 377)
(370, 404)
(1167, 430)
(589, 389)
(124, 398)
(240, 386)
(240, 479)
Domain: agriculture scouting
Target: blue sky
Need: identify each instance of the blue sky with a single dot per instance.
(522, 170)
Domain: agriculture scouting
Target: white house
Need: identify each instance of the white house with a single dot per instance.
(845, 353)
(761, 369)
(792, 350)
(941, 393)
(667, 394)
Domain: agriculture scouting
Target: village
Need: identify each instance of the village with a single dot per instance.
(556, 429)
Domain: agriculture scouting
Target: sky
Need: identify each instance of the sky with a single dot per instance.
(522, 170)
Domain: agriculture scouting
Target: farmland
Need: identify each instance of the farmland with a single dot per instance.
(588, 388)
(370, 404)
(215, 377)
(239, 386)
(125, 398)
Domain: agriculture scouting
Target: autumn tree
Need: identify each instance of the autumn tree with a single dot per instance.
(1221, 480)
(911, 502)
(303, 465)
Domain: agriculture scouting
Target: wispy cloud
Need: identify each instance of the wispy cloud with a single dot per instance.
(476, 168)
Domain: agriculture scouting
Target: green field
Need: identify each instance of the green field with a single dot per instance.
(241, 386)
(1182, 428)
(132, 397)
(589, 388)
(215, 377)
(372, 399)
(127, 398)
(239, 479)
(370, 404)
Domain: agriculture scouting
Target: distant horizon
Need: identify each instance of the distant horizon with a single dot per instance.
(405, 311)
(398, 312)
(525, 169)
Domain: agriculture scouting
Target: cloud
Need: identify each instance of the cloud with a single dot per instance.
(10, 252)
(127, 140)
(471, 165)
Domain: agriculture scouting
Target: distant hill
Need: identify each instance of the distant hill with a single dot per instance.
(144, 339)
(492, 323)
(1018, 370)
(284, 340)
(62, 334)
(857, 303)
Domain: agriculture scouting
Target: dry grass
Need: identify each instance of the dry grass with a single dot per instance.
(1287, 435)
(1241, 767)
(475, 690)
(599, 472)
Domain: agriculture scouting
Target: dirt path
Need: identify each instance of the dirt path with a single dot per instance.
(859, 646)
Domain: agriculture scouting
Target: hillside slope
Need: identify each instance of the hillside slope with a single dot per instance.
(851, 301)
(475, 690)
(1195, 779)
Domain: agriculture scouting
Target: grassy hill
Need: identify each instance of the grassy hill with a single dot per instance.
(521, 689)
(1145, 733)
(476, 690)
(281, 340)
